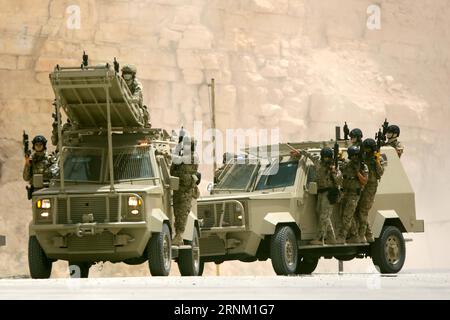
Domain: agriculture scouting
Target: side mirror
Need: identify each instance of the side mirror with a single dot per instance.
(312, 188)
(38, 181)
(174, 183)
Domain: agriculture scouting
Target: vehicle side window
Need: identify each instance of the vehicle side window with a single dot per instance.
(284, 176)
(311, 174)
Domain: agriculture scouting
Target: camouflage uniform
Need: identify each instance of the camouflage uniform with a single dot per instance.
(326, 180)
(184, 166)
(396, 145)
(39, 164)
(361, 225)
(352, 193)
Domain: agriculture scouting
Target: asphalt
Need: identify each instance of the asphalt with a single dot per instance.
(420, 285)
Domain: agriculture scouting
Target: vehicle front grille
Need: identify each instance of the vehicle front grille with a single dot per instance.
(87, 205)
(99, 242)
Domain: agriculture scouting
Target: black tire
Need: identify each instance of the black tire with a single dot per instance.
(284, 251)
(189, 259)
(40, 266)
(389, 250)
(160, 252)
(79, 269)
(201, 268)
(306, 265)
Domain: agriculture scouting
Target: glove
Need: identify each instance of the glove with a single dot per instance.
(377, 156)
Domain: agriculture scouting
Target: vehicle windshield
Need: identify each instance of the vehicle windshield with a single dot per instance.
(278, 175)
(83, 164)
(132, 163)
(239, 176)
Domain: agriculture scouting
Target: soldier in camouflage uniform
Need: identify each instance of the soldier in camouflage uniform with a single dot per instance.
(356, 136)
(39, 163)
(374, 162)
(129, 75)
(392, 133)
(185, 167)
(328, 180)
(355, 175)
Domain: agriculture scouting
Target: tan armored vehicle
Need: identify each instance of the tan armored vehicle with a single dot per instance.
(267, 210)
(111, 200)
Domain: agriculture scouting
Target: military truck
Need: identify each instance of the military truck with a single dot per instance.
(264, 207)
(111, 199)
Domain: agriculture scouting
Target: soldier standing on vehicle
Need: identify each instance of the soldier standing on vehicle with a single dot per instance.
(392, 134)
(38, 163)
(129, 75)
(184, 166)
(356, 136)
(374, 162)
(355, 175)
(329, 179)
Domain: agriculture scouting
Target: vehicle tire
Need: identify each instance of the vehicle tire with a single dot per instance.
(79, 269)
(189, 259)
(40, 266)
(306, 265)
(201, 267)
(160, 252)
(389, 251)
(284, 251)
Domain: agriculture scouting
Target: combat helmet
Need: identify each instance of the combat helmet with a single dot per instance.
(356, 133)
(129, 68)
(394, 129)
(352, 151)
(39, 139)
(370, 143)
(326, 152)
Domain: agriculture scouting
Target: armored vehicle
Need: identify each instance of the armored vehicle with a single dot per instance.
(264, 207)
(111, 199)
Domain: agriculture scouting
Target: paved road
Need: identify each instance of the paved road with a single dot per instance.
(317, 286)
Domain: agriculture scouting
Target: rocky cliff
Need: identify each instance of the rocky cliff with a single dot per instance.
(302, 66)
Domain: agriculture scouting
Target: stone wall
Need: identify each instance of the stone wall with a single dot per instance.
(303, 66)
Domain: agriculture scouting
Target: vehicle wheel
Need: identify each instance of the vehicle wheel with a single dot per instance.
(306, 265)
(40, 266)
(189, 259)
(389, 251)
(283, 251)
(160, 252)
(79, 269)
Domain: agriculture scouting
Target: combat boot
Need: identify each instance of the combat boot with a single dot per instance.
(316, 242)
(177, 240)
(340, 240)
(369, 236)
(330, 241)
(362, 239)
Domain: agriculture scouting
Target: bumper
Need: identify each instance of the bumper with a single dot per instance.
(93, 241)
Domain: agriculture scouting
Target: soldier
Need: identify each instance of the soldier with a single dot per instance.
(328, 179)
(392, 133)
(39, 163)
(374, 162)
(184, 166)
(356, 137)
(355, 175)
(129, 75)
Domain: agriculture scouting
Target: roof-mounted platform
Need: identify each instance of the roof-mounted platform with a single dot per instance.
(84, 92)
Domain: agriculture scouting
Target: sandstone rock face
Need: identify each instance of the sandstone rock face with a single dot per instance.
(302, 66)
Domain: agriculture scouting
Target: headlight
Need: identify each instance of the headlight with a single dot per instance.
(134, 201)
(43, 204)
